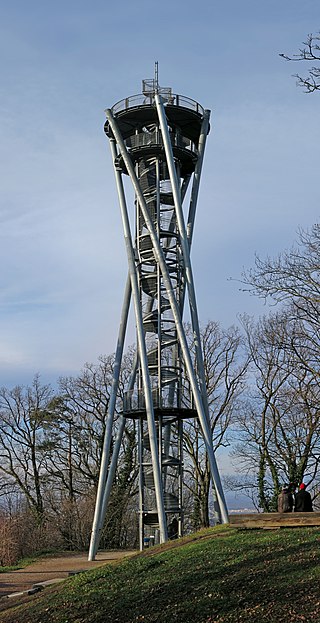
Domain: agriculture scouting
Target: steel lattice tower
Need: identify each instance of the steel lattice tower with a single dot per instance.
(158, 139)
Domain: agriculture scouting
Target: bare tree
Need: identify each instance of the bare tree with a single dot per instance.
(280, 424)
(73, 452)
(85, 407)
(310, 52)
(293, 279)
(225, 371)
(23, 417)
(293, 275)
(278, 429)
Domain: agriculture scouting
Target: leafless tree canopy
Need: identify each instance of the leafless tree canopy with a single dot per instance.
(310, 52)
(51, 441)
(293, 275)
(279, 429)
(225, 370)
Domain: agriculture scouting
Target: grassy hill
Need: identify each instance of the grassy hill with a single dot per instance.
(221, 575)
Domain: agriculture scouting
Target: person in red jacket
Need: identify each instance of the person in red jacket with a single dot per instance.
(302, 500)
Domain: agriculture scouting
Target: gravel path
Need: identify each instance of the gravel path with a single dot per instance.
(46, 569)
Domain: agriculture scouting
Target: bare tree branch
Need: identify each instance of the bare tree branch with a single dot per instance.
(310, 53)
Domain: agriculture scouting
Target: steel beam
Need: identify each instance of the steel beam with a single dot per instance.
(96, 527)
(141, 347)
(191, 290)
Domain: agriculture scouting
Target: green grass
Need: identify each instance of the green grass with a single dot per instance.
(223, 576)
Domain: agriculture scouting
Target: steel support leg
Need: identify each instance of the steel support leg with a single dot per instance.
(189, 277)
(94, 543)
(197, 175)
(142, 352)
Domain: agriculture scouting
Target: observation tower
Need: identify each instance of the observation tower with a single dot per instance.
(158, 139)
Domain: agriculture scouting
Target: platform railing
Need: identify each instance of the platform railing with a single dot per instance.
(148, 100)
(134, 400)
(144, 139)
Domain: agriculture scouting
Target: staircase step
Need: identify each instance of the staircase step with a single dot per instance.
(148, 480)
(150, 518)
(149, 284)
(171, 502)
(170, 460)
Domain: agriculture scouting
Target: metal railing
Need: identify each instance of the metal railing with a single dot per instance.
(148, 100)
(143, 139)
(134, 400)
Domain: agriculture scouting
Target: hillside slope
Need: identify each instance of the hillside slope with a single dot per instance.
(218, 576)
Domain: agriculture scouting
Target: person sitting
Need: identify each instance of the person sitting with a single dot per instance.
(285, 501)
(302, 500)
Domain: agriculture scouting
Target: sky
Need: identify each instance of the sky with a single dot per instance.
(63, 259)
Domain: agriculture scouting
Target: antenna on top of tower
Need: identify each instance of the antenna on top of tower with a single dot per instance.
(151, 86)
(156, 77)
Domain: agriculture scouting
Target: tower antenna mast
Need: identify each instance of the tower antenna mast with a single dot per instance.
(156, 77)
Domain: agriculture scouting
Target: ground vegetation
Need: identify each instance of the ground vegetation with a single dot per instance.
(218, 576)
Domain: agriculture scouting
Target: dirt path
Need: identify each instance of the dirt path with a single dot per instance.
(53, 568)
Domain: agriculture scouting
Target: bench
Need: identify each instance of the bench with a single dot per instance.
(274, 520)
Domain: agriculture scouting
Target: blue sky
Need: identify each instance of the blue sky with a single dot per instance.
(63, 261)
